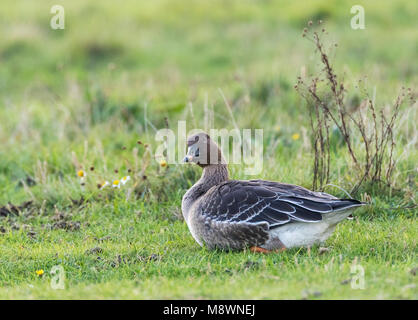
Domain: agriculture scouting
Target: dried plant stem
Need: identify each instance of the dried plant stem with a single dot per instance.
(373, 162)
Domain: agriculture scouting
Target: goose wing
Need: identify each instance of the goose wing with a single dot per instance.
(258, 202)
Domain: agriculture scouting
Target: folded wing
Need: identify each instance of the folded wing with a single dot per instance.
(257, 202)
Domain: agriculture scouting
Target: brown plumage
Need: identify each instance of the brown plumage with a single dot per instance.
(235, 214)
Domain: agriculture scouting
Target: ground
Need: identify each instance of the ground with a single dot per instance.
(90, 98)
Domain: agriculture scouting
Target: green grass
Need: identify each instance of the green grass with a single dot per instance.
(83, 90)
(159, 259)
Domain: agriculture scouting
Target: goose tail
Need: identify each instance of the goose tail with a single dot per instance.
(345, 204)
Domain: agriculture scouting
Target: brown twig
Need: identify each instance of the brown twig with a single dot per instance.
(377, 153)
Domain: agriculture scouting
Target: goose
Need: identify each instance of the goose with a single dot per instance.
(262, 216)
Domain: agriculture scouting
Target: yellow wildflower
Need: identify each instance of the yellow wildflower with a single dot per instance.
(116, 184)
(81, 173)
(39, 272)
(295, 136)
(103, 185)
(163, 163)
(125, 179)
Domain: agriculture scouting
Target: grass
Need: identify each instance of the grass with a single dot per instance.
(84, 93)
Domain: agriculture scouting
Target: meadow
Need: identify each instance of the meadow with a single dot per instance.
(81, 106)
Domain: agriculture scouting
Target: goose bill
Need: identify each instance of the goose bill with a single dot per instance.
(191, 151)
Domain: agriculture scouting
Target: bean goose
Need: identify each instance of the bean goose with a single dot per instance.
(261, 215)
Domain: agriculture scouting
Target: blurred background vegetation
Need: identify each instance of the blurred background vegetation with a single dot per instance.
(115, 63)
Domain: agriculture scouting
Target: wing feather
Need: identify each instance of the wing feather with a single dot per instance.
(256, 201)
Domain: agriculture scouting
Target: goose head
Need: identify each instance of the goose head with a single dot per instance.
(203, 151)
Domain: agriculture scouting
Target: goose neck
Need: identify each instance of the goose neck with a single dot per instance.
(213, 175)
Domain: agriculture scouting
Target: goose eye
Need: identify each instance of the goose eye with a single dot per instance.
(197, 152)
